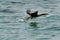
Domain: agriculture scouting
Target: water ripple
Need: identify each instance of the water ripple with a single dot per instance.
(7, 11)
(13, 3)
(53, 28)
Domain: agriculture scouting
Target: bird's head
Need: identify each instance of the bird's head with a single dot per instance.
(28, 11)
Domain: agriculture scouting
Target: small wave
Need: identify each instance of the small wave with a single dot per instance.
(53, 28)
(54, 17)
(9, 28)
(45, 0)
(7, 11)
(17, 3)
(4, 22)
(12, 3)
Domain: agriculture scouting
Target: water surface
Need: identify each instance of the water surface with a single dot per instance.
(14, 26)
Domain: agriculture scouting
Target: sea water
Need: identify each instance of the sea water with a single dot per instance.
(14, 26)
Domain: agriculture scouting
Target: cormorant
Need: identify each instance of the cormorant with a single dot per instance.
(34, 14)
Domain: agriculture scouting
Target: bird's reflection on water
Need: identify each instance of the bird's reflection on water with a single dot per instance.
(34, 25)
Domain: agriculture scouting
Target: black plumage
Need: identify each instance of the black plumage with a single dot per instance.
(34, 14)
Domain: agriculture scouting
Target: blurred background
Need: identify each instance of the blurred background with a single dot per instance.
(14, 26)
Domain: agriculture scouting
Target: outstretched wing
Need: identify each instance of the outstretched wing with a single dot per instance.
(34, 14)
(43, 14)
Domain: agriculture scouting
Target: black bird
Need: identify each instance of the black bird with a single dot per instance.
(34, 14)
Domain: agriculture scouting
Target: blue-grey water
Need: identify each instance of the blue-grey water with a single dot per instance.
(14, 26)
